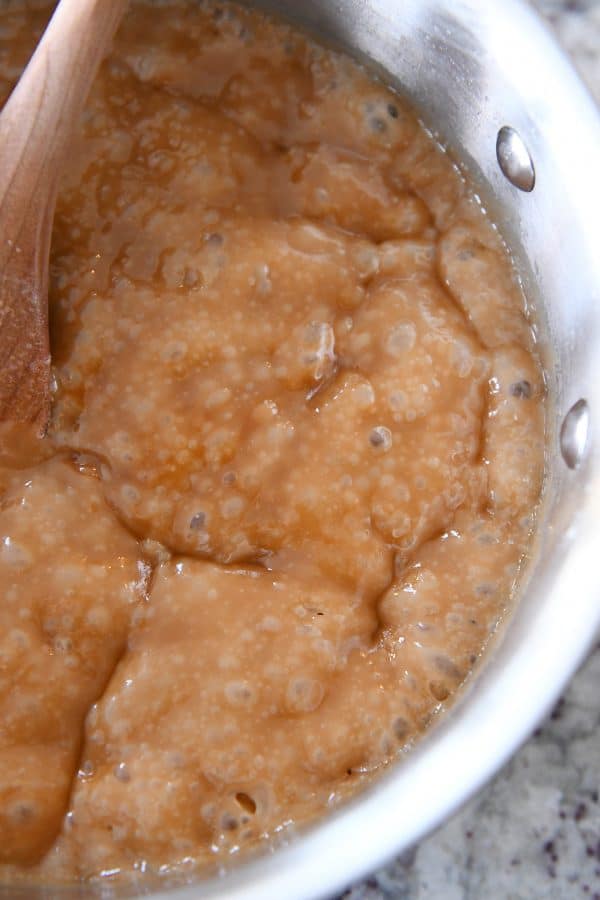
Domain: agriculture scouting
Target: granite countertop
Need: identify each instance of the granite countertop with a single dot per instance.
(534, 832)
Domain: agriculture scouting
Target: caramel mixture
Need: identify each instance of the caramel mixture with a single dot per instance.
(295, 451)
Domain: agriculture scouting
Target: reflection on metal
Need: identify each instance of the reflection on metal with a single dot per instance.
(514, 159)
(574, 434)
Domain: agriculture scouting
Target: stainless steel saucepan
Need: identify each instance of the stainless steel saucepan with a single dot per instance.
(489, 80)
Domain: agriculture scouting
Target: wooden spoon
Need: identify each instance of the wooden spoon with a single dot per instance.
(36, 130)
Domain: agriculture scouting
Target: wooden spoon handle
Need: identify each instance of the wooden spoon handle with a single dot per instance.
(36, 129)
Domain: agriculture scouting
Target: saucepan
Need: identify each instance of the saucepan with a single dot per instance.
(491, 84)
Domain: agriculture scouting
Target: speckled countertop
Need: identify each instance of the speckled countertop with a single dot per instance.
(534, 832)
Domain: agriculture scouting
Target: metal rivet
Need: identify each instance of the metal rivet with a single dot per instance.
(574, 434)
(514, 159)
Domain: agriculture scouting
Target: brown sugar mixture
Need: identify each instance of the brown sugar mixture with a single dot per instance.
(294, 458)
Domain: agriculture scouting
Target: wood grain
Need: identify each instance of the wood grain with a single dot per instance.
(36, 128)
